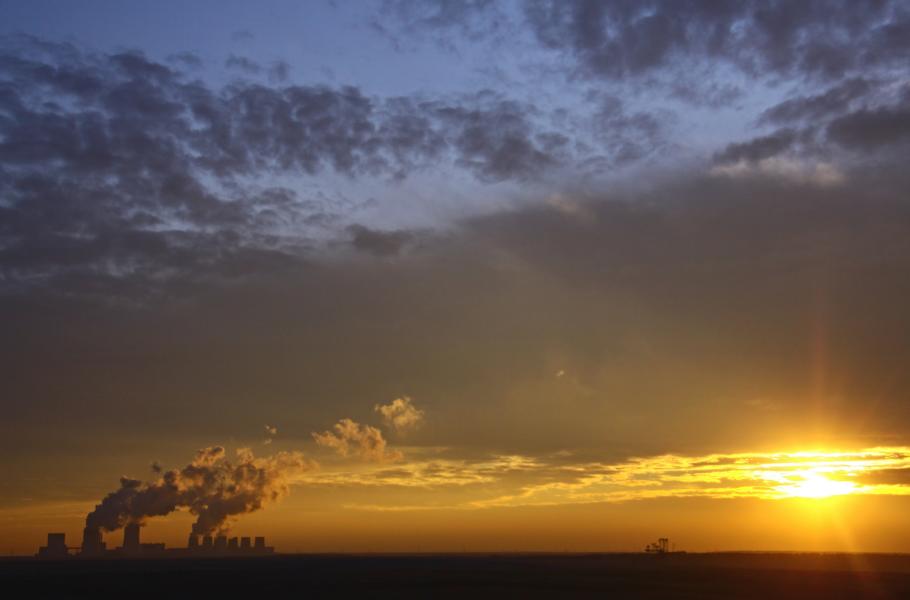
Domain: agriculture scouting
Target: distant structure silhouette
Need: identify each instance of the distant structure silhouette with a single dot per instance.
(56, 547)
(661, 546)
(94, 547)
(131, 539)
(92, 544)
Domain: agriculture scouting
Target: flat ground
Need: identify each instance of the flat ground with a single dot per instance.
(775, 576)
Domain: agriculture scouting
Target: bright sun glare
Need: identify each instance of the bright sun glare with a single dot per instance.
(815, 485)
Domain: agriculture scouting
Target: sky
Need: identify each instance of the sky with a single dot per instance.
(445, 276)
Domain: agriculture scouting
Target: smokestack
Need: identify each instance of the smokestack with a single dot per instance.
(193, 542)
(131, 538)
(244, 543)
(221, 543)
(207, 542)
(213, 488)
(92, 544)
(260, 543)
(232, 544)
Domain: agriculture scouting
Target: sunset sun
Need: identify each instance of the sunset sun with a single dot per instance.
(815, 485)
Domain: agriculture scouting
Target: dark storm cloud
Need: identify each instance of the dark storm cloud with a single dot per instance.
(814, 38)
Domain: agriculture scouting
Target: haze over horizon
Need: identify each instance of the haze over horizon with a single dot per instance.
(444, 276)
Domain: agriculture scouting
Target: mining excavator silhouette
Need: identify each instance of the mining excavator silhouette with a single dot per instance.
(662, 546)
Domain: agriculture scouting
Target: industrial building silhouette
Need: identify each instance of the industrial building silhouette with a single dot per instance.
(93, 546)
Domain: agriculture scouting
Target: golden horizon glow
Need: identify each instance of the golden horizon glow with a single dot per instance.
(557, 479)
(430, 486)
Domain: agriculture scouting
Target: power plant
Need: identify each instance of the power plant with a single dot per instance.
(94, 547)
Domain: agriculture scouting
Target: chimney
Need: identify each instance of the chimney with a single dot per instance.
(232, 544)
(131, 537)
(207, 541)
(193, 542)
(220, 542)
(260, 543)
(91, 541)
(244, 543)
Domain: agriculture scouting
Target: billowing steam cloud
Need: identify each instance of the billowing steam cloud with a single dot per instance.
(400, 414)
(212, 487)
(353, 437)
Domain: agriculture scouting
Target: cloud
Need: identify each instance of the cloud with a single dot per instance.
(563, 479)
(117, 167)
(819, 174)
(776, 156)
(836, 99)
(758, 148)
(379, 243)
(873, 128)
(667, 272)
(630, 39)
(142, 204)
(447, 23)
(350, 437)
(494, 138)
(709, 94)
(769, 476)
(627, 136)
(400, 414)
(279, 71)
(242, 35)
(211, 487)
(241, 63)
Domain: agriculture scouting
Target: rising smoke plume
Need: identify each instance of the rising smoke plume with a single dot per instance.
(212, 487)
